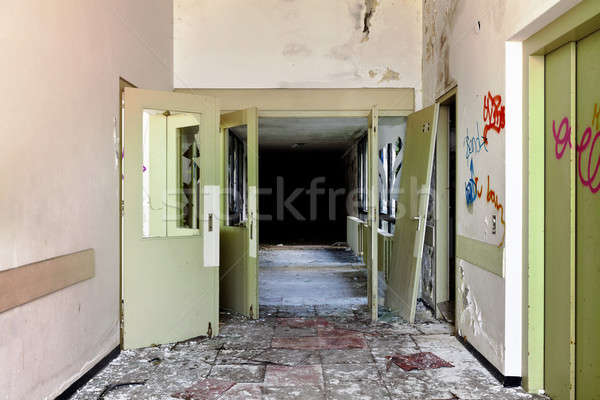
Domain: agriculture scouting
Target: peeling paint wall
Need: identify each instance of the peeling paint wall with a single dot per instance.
(302, 44)
(464, 44)
(59, 130)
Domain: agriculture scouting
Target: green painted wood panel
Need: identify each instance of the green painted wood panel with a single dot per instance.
(587, 378)
(558, 234)
(239, 244)
(484, 255)
(168, 292)
(413, 200)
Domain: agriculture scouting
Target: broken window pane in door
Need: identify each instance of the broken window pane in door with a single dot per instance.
(183, 173)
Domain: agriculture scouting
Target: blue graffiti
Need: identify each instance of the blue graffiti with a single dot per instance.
(474, 144)
(471, 188)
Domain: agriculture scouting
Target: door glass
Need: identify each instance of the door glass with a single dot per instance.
(183, 173)
(188, 177)
(154, 182)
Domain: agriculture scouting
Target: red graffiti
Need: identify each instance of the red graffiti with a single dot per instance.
(493, 115)
(585, 148)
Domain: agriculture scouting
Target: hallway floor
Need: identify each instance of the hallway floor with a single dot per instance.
(302, 352)
(313, 340)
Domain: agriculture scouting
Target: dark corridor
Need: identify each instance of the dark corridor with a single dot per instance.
(286, 194)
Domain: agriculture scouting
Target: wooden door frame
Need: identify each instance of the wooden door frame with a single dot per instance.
(442, 221)
(575, 24)
(123, 83)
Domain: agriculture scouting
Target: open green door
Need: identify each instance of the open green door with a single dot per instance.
(373, 213)
(239, 219)
(411, 214)
(170, 203)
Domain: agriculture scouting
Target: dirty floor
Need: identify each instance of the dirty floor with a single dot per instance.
(303, 352)
(313, 340)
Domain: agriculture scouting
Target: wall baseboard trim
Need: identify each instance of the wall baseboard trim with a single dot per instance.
(85, 378)
(506, 381)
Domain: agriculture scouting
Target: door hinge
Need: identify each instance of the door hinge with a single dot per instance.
(122, 207)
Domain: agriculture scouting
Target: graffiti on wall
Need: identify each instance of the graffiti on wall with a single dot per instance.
(474, 144)
(587, 165)
(493, 115)
(493, 120)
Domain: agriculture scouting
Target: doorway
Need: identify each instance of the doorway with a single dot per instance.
(305, 196)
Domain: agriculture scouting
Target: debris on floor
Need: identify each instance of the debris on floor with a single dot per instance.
(304, 352)
(420, 361)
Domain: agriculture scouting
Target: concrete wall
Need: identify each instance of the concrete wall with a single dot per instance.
(465, 44)
(59, 113)
(302, 44)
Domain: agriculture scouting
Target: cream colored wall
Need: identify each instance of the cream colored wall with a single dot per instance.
(300, 44)
(59, 113)
(465, 44)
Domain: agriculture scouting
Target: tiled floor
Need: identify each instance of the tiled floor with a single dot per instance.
(302, 352)
(314, 340)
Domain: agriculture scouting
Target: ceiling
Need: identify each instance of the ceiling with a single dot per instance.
(307, 133)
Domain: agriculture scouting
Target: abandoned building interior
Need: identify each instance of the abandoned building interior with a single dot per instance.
(284, 199)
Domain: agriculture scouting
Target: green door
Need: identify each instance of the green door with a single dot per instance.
(239, 220)
(411, 215)
(587, 378)
(373, 214)
(559, 224)
(572, 221)
(170, 239)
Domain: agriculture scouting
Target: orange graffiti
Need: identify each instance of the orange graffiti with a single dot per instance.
(596, 117)
(493, 115)
(477, 185)
(492, 197)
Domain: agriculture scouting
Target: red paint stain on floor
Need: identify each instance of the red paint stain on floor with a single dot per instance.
(420, 361)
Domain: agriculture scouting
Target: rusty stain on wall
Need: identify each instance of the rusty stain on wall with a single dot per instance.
(438, 18)
(390, 75)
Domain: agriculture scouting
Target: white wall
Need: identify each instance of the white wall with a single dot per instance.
(301, 44)
(464, 44)
(58, 118)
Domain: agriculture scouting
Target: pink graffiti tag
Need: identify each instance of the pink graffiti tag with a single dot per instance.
(587, 178)
(493, 115)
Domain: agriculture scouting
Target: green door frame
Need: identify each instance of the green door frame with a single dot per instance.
(575, 24)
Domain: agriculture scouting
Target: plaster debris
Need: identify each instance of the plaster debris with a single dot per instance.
(228, 366)
(307, 346)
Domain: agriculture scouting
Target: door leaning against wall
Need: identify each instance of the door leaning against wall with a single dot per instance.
(170, 236)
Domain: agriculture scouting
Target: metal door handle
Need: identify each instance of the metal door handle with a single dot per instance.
(417, 218)
(210, 222)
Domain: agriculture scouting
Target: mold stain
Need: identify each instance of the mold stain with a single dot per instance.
(372, 74)
(390, 75)
(370, 7)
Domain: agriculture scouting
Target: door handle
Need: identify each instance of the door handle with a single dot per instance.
(251, 226)
(417, 218)
(210, 222)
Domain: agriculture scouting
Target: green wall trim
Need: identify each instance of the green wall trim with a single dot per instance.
(484, 255)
